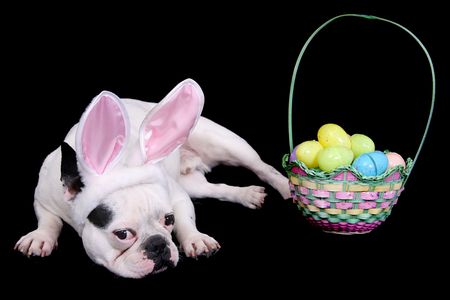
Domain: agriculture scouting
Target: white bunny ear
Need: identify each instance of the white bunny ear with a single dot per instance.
(168, 125)
(102, 133)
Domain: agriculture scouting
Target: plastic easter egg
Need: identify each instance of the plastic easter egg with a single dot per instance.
(333, 135)
(371, 164)
(330, 158)
(361, 144)
(395, 159)
(293, 156)
(307, 153)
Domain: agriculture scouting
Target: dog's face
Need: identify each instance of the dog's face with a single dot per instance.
(117, 179)
(129, 232)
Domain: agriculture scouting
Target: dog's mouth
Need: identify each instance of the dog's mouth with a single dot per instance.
(162, 265)
(147, 261)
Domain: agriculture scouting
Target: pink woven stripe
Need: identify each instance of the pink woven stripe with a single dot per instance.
(392, 177)
(351, 177)
(344, 195)
(339, 176)
(344, 205)
(298, 171)
(304, 200)
(385, 204)
(389, 195)
(369, 195)
(322, 203)
(367, 205)
(321, 193)
(303, 190)
(342, 176)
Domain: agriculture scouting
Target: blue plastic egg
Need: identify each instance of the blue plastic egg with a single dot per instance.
(371, 163)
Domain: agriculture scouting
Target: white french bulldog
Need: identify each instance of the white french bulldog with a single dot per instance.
(128, 182)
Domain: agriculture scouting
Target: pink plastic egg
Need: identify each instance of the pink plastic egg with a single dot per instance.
(395, 159)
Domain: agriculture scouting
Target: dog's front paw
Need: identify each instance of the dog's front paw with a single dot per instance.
(199, 244)
(36, 243)
(252, 196)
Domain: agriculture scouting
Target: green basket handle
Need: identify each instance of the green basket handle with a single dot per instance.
(294, 76)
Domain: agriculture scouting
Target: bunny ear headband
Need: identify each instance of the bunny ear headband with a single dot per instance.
(103, 141)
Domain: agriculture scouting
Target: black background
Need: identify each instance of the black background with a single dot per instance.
(369, 77)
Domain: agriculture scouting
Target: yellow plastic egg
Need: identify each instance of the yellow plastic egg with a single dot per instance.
(307, 153)
(334, 156)
(330, 135)
(361, 144)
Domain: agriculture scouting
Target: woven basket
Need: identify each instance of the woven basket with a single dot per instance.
(344, 201)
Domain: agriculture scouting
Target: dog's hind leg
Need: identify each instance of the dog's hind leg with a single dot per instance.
(196, 185)
(217, 145)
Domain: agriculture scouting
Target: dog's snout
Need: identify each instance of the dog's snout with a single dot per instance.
(157, 249)
(155, 245)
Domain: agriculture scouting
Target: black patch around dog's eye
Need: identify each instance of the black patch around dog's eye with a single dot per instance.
(101, 216)
(169, 219)
(69, 169)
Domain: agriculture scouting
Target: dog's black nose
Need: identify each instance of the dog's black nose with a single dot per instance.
(155, 246)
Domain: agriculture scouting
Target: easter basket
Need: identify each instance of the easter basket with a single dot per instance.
(344, 201)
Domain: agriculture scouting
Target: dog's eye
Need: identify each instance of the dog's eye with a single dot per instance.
(169, 219)
(124, 234)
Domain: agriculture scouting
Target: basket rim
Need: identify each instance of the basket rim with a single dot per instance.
(317, 173)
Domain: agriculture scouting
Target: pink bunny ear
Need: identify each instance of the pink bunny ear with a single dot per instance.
(168, 125)
(102, 133)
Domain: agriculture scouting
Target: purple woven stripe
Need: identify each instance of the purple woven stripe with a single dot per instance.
(343, 226)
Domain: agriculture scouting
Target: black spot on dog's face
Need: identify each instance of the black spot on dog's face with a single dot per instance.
(101, 216)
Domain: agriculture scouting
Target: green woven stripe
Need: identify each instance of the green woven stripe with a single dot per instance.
(334, 220)
(343, 216)
(364, 216)
(322, 215)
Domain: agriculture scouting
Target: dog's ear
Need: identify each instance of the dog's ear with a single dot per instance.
(70, 176)
(168, 125)
(102, 133)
